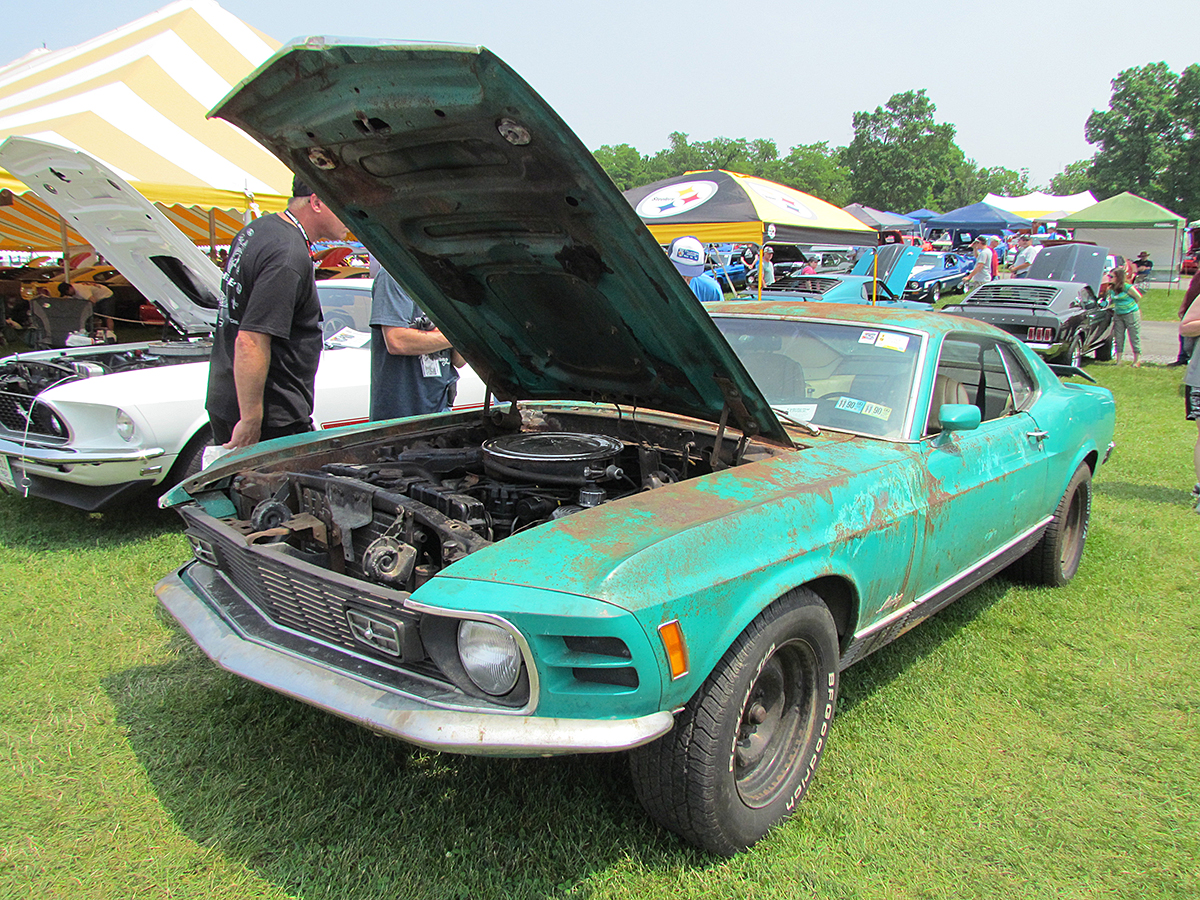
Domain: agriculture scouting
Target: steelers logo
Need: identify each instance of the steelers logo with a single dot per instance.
(675, 199)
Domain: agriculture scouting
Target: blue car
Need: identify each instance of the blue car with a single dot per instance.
(726, 267)
(881, 283)
(938, 273)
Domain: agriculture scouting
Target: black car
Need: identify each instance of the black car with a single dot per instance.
(1057, 311)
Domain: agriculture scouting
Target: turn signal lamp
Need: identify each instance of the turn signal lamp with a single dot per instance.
(672, 637)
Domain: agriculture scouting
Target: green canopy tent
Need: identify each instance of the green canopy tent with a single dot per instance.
(1128, 224)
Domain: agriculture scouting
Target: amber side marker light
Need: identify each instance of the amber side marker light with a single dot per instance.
(672, 638)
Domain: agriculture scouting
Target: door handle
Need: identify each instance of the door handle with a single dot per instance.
(1038, 436)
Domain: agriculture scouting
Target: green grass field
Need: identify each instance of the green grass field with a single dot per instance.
(1026, 743)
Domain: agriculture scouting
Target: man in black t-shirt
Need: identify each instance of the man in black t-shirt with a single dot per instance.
(268, 338)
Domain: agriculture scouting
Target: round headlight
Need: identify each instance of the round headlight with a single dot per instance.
(125, 426)
(490, 656)
(912, 285)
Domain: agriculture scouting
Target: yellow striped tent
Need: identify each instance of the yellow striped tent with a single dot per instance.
(135, 98)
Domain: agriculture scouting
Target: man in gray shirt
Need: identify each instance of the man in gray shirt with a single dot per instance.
(414, 370)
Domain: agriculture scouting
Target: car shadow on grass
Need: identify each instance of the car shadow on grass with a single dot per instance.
(37, 524)
(884, 666)
(1153, 493)
(322, 807)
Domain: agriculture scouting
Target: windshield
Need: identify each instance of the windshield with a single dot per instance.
(839, 376)
(344, 307)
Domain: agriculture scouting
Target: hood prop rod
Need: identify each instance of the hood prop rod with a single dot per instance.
(714, 458)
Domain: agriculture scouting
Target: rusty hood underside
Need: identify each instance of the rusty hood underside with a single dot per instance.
(492, 214)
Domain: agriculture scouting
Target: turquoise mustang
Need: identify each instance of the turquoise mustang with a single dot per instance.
(673, 528)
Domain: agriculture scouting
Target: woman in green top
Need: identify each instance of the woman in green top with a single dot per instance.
(1126, 316)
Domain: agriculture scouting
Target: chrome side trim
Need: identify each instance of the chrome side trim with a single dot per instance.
(396, 715)
(945, 586)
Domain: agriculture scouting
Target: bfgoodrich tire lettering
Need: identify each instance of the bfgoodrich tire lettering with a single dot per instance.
(744, 749)
(1054, 559)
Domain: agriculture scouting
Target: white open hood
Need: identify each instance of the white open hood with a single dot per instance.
(126, 228)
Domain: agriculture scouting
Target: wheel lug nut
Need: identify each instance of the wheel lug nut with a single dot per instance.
(758, 714)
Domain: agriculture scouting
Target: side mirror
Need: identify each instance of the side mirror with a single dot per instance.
(959, 417)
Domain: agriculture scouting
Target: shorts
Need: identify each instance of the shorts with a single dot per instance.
(1191, 403)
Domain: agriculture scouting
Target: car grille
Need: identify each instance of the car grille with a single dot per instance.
(22, 415)
(305, 599)
(805, 284)
(1013, 291)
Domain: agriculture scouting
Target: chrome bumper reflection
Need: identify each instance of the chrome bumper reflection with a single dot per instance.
(59, 456)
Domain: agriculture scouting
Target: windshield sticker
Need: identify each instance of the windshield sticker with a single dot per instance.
(888, 341)
(877, 411)
(868, 337)
(673, 199)
(801, 412)
(864, 408)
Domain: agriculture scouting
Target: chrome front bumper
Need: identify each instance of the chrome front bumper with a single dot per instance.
(60, 456)
(391, 713)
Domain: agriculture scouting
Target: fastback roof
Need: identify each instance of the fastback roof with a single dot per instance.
(135, 98)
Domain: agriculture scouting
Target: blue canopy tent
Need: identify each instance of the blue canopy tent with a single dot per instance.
(978, 218)
(921, 216)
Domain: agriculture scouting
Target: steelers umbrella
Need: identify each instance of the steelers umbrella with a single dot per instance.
(136, 98)
(719, 206)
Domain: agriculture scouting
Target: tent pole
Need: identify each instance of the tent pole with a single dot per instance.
(212, 233)
(875, 275)
(62, 225)
(1174, 265)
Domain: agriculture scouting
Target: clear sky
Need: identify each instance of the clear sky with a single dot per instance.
(1017, 79)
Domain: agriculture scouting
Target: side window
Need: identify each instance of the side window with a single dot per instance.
(1024, 387)
(971, 370)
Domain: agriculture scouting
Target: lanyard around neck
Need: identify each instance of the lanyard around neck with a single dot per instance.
(296, 222)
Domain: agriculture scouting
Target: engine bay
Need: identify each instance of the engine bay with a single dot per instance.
(28, 377)
(395, 512)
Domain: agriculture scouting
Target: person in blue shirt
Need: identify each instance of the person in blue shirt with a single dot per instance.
(687, 255)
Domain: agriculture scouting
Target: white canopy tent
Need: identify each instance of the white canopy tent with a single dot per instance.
(1039, 205)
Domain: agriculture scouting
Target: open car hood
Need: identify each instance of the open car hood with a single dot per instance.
(492, 214)
(1078, 263)
(896, 262)
(122, 225)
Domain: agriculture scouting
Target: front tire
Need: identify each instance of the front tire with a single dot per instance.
(936, 294)
(1055, 558)
(744, 748)
(190, 459)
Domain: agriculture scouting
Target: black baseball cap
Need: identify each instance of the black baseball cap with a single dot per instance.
(299, 188)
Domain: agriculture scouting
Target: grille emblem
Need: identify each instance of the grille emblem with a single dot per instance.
(377, 633)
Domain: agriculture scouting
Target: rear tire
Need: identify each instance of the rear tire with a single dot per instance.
(744, 748)
(1073, 355)
(1055, 558)
(1105, 351)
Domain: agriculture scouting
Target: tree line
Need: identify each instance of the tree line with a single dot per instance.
(901, 158)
